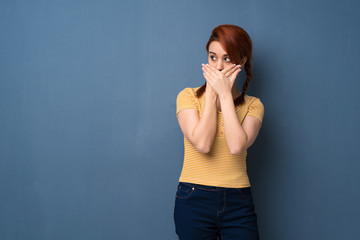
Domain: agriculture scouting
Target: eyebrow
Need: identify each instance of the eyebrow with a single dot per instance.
(215, 54)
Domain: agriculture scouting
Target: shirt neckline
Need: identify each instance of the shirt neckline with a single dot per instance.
(236, 107)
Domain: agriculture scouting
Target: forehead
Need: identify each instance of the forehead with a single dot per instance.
(216, 48)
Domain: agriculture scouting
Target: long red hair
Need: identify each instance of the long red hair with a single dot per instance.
(237, 43)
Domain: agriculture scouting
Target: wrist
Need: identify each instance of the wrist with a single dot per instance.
(225, 95)
(210, 94)
(211, 97)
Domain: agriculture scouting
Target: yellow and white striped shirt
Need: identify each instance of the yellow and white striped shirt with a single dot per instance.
(218, 167)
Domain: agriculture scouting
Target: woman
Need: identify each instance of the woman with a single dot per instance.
(219, 123)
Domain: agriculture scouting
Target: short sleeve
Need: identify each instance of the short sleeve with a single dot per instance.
(256, 109)
(186, 99)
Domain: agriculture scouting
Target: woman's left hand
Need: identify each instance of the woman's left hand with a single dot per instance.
(221, 81)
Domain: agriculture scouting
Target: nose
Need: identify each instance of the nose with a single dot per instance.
(219, 65)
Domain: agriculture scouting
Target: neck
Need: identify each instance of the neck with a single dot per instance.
(235, 92)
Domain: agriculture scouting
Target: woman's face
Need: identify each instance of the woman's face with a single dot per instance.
(217, 57)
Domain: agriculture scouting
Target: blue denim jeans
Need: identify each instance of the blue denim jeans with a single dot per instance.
(209, 213)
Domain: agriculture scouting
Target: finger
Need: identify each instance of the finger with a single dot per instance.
(236, 68)
(216, 74)
(212, 69)
(208, 69)
(228, 69)
(208, 79)
(234, 74)
(207, 76)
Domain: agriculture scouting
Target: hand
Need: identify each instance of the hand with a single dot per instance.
(221, 81)
(209, 91)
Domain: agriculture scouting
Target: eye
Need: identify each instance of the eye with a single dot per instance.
(212, 57)
(228, 59)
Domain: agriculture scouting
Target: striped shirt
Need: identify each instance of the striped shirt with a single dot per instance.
(218, 167)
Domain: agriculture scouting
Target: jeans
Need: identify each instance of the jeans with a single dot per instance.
(209, 213)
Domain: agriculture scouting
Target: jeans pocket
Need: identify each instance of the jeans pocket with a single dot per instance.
(184, 190)
(245, 193)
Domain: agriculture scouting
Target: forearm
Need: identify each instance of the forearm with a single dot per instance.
(235, 134)
(204, 132)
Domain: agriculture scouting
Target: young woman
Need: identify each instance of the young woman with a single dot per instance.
(219, 123)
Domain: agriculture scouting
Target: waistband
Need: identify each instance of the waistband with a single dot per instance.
(210, 188)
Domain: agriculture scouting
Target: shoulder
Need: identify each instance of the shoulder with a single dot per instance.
(186, 99)
(188, 91)
(254, 107)
(252, 100)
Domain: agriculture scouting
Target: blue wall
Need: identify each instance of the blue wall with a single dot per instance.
(90, 147)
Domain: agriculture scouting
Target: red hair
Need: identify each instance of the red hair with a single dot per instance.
(237, 43)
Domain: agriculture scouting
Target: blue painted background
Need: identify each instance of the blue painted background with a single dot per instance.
(90, 147)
